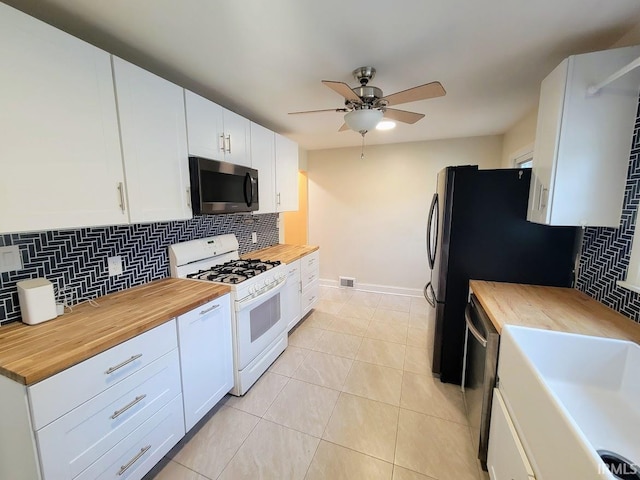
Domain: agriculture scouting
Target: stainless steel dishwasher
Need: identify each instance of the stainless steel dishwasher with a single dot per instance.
(479, 373)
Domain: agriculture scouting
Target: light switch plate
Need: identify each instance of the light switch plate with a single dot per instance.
(115, 265)
(10, 259)
(254, 237)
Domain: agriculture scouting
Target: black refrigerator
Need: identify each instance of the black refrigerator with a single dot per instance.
(477, 229)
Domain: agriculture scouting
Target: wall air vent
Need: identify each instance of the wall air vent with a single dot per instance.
(347, 282)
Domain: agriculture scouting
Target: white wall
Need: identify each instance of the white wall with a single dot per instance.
(369, 215)
(519, 137)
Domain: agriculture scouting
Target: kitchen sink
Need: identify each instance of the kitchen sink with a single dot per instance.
(572, 396)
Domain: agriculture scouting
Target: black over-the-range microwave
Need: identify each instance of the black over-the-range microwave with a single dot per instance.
(222, 187)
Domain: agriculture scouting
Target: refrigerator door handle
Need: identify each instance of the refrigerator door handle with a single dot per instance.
(434, 214)
(431, 299)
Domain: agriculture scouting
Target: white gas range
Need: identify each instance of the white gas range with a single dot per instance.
(259, 330)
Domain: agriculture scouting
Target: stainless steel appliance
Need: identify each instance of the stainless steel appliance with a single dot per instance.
(479, 373)
(258, 328)
(221, 187)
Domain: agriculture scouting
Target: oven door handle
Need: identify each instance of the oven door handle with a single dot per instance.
(267, 290)
(472, 328)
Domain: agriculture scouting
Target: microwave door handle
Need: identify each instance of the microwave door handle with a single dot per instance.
(248, 198)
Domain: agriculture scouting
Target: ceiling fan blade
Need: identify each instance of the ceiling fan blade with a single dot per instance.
(320, 111)
(423, 92)
(343, 89)
(403, 115)
(343, 128)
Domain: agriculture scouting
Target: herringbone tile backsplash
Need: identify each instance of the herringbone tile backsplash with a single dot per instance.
(77, 259)
(606, 251)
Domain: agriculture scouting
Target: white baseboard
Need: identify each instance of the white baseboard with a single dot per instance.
(371, 287)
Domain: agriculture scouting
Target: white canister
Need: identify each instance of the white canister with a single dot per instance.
(37, 301)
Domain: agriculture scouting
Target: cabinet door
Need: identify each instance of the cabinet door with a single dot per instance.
(206, 357)
(236, 139)
(546, 145)
(506, 458)
(154, 144)
(204, 127)
(291, 299)
(263, 160)
(286, 174)
(60, 150)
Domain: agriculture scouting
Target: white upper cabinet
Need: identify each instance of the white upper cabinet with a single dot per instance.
(60, 151)
(154, 144)
(215, 132)
(204, 127)
(237, 132)
(582, 145)
(263, 159)
(286, 174)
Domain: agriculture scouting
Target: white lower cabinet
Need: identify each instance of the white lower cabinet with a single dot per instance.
(310, 274)
(206, 357)
(135, 455)
(291, 295)
(110, 408)
(507, 459)
(73, 442)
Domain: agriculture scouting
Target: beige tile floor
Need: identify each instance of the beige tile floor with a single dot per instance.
(352, 397)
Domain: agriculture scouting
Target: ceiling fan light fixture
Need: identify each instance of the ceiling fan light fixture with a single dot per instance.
(386, 125)
(363, 120)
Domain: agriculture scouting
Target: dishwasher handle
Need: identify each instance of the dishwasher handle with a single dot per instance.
(472, 328)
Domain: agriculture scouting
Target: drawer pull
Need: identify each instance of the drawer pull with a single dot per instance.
(127, 465)
(120, 365)
(210, 309)
(311, 277)
(312, 299)
(135, 401)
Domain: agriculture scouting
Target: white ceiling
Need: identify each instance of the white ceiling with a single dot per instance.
(264, 59)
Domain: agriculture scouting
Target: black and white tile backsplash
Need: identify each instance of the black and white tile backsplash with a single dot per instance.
(606, 251)
(77, 259)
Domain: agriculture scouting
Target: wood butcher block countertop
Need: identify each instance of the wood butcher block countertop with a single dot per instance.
(30, 353)
(552, 308)
(282, 252)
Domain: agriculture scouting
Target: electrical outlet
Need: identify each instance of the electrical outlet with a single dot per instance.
(115, 265)
(254, 237)
(10, 258)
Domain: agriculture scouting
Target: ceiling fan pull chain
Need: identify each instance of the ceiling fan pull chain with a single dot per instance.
(362, 154)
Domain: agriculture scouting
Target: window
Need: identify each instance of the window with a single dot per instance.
(523, 158)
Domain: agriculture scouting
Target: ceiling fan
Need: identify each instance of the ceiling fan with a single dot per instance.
(365, 105)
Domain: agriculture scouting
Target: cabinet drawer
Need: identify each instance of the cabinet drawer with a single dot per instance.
(73, 442)
(310, 263)
(310, 268)
(309, 297)
(134, 456)
(57, 395)
(507, 459)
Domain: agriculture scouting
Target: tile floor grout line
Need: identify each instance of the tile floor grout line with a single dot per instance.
(189, 468)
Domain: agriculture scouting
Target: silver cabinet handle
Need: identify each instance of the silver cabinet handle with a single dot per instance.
(121, 195)
(278, 202)
(312, 299)
(120, 365)
(311, 277)
(127, 465)
(189, 197)
(135, 401)
(210, 309)
(222, 143)
(229, 143)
